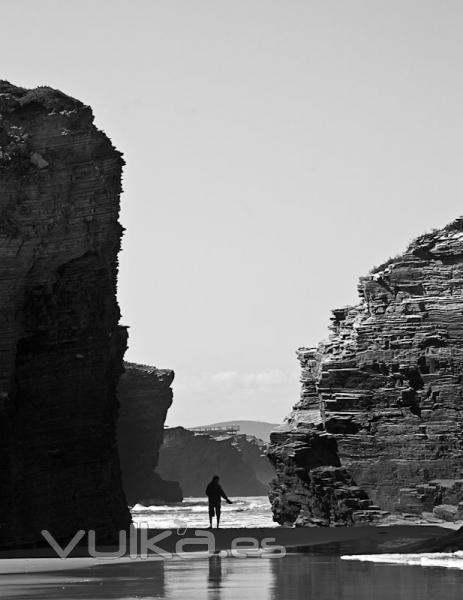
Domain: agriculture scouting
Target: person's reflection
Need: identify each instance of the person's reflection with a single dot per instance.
(214, 580)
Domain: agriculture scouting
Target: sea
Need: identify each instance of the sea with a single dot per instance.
(246, 511)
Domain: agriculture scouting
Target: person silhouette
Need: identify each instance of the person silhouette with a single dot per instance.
(214, 492)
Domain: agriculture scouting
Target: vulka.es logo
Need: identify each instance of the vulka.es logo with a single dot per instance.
(136, 544)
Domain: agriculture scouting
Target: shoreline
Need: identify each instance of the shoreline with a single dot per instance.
(336, 540)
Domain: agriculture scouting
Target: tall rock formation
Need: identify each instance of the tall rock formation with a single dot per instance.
(380, 415)
(145, 395)
(61, 347)
(192, 458)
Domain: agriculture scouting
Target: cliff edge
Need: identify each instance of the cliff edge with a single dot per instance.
(145, 395)
(61, 348)
(379, 425)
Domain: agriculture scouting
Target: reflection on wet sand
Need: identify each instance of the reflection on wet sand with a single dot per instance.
(329, 578)
(105, 582)
(219, 579)
(214, 579)
(295, 577)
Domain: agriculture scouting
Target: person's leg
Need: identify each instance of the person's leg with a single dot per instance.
(217, 514)
(211, 514)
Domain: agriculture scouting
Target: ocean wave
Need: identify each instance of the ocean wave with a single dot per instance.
(139, 508)
(449, 560)
(252, 511)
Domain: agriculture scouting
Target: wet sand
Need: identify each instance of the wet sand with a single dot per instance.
(295, 577)
(312, 560)
(298, 539)
(222, 539)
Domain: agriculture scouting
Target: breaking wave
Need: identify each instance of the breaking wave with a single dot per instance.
(449, 560)
(247, 511)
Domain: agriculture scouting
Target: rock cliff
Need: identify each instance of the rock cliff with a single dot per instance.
(192, 458)
(253, 451)
(379, 424)
(61, 347)
(145, 395)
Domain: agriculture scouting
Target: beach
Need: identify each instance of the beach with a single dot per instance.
(250, 557)
(312, 566)
(295, 577)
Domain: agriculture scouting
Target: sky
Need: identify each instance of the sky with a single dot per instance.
(276, 150)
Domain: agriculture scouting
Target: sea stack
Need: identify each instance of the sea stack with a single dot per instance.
(145, 395)
(61, 348)
(379, 424)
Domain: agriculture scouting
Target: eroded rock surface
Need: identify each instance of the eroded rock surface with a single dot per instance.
(145, 395)
(192, 458)
(61, 348)
(382, 399)
(253, 451)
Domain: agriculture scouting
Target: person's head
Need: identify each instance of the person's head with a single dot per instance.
(216, 478)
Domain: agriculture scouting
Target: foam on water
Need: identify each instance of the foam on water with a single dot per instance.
(449, 560)
(246, 511)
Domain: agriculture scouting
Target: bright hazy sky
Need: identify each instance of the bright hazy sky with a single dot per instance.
(276, 150)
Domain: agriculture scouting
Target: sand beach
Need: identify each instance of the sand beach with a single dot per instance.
(312, 564)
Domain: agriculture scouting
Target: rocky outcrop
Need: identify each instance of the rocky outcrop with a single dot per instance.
(253, 452)
(61, 347)
(258, 429)
(192, 458)
(145, 395)
(382, 399)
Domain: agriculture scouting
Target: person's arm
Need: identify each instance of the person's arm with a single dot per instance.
(224, 496)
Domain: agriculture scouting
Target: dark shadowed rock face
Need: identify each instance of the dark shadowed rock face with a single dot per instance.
(253, 451)
(193, 458)
(60, 345)
(145, 395)
(382, 399)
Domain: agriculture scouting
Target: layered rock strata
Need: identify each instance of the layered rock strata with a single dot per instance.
(192, 458)
(382, 398)
(145, 395)
(61, 347)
